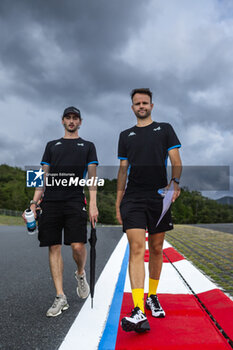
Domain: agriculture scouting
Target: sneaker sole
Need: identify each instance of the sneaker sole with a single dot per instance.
(159, 314)
(140, 327)
(59, 312)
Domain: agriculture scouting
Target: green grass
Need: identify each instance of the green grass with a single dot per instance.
(211, 251)
(11, 220)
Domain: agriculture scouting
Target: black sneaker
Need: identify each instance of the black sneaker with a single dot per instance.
(137, 322)
(153, 304)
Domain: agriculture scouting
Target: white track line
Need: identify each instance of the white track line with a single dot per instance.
(86, 331)
(195, 278)
(167, 245)
(170, 282)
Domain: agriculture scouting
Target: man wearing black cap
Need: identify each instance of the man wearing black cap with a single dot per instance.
(64, 205)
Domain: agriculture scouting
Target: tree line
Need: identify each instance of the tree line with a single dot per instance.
(190, 208)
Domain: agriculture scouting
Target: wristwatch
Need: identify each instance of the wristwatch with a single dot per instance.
(33, 202)
(176, 180)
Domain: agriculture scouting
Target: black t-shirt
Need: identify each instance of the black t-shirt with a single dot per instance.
(146, 149)
(67, 158)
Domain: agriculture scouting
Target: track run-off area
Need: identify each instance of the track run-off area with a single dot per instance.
(198, 312)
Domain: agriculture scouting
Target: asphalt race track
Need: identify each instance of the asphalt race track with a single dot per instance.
(26, 288)
(26, 292)
(228, 228)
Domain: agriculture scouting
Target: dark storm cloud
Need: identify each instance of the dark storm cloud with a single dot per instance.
(85, 34)
(57, 51)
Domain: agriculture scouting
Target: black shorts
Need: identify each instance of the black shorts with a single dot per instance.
(59, 215)
(144, 213)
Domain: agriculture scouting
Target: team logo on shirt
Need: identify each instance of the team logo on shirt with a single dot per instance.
(80, 144)
(157, 129)
(35, 178)
(132, 133)
(58, 143)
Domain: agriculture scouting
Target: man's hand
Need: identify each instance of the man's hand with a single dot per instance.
(23, 216)
(118, 215)
(93, 214)
(33, 208)
(176, 190)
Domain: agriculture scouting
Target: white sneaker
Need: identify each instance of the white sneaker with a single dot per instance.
(153, 304)
(137, 322)
(60, 304)
(83, 288)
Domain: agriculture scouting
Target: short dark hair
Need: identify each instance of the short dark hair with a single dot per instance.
(145, 91)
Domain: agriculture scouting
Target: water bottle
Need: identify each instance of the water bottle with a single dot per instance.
(31, 222)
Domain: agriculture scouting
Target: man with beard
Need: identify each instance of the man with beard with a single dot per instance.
(64, 207)
(143, 151)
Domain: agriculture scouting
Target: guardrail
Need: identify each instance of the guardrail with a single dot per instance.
(10, 212)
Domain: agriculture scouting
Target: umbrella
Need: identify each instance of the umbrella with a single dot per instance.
(92, 240)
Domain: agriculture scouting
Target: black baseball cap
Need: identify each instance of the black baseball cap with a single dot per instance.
(71, 110)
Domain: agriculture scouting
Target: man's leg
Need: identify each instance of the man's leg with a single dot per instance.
(155, 242)
(56, 267)
(80, 257)
(137, 321)
(136, 238)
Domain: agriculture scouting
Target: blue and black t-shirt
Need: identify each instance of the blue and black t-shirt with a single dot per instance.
(66, 158)
(146, 149)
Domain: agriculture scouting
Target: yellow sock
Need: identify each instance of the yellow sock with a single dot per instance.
(153, 285)
(138, 298)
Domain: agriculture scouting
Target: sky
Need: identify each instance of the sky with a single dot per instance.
(91, 54)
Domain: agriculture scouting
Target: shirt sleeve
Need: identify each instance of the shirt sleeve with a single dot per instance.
(172, 139)
(122, 150)
(46, 159)
(92, 156)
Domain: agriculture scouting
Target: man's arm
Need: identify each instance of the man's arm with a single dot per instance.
(121, 182)
(176, 163)
(93, 210)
